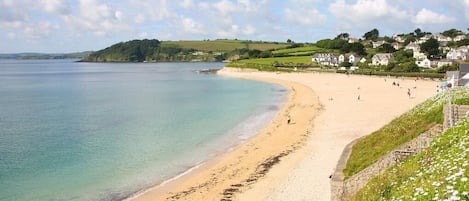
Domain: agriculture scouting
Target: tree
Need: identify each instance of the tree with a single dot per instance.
(371, 35)
(357, 48)
(386, 48)
(289, 41)
(430, 47)
(452, 33)
(343, 36)
(346, 64)
(410, 67)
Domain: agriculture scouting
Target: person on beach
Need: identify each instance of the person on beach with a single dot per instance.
(358, 97)
(288, 119)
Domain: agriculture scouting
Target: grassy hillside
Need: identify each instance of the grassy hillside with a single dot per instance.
(225, 45)
(439, 173)
(298, 51)
(406, 127)
(268, 64)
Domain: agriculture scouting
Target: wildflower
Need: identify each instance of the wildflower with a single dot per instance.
(464, 179)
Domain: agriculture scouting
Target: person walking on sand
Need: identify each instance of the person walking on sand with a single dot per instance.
(288, 119)
(358, 97)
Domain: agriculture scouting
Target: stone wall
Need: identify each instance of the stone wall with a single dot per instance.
(343, 189)
(458, 112)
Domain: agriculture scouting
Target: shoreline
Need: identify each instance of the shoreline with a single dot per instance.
(235, 171)
(293, 161)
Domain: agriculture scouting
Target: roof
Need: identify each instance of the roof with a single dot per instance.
(464, 74)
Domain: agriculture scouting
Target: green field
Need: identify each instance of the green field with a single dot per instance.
(225, 45)
(297, 59)
(308, 50)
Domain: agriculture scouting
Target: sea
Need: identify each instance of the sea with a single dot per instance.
(106, 131)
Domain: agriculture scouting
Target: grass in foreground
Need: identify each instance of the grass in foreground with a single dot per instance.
(402, 129)
(439, 173)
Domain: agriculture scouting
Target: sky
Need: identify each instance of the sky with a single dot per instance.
(63, 26)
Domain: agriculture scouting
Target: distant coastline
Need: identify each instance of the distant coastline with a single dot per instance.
(45, 56)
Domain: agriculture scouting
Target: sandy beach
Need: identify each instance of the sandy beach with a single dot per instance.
(292, 158)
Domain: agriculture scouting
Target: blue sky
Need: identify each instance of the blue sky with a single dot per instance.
(54, 26)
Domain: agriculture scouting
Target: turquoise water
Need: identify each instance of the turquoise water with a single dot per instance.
(103, 131)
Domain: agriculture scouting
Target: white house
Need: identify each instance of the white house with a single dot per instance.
(424, 38)
(413, 46)
(419, 56)
(381, 59)
(399, 38)
(443, 62)
(441, 38)
(351, 58)
(327, 59)
(457, 54)
(396, 45)
(459, 38)
(378, 43)
(353, 40)
(426, 63)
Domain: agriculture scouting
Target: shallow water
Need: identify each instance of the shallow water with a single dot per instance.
(102, 131)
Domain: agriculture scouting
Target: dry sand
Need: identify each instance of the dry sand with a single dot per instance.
(293, 161)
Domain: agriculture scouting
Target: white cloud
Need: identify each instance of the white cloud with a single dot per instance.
(40, 30)
(140, 18)
(366, 10)
(98, 18)
(55, 6)
(426, 16)
(11, 35)
(156, 10)
(186, 3)
(364, 15)
(305, 16)
(249, 30)
(189, 25)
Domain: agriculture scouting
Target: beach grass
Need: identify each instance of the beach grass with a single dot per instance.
(439, 173)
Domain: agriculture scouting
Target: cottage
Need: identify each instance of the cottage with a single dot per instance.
(413, 46)
(353, 40)
(419, 56)
(458, 54)
(399, 38)
(441, 38)
(396, 45)
(349, 57)
(381, 59)
(327, 59)
(443, 62)
(378, 43)
(425, 63)
(459, 38)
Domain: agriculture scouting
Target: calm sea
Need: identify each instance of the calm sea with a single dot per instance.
(103, 131)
